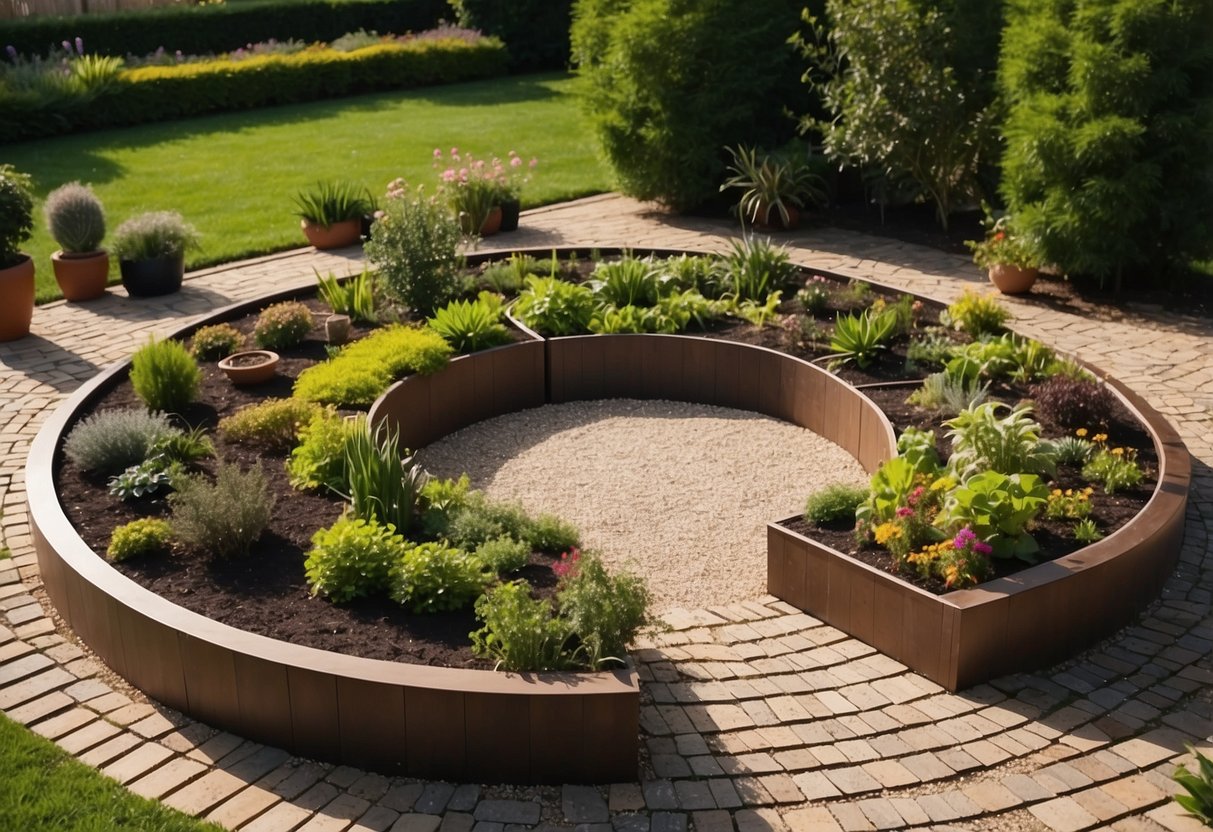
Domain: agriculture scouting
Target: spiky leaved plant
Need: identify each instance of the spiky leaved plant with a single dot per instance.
(75, 218)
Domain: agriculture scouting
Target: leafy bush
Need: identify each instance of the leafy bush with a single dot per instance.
(549, 533)
(757, 267)
(504, 555)
(836, 503)
(415, 246)
(668, 83)
(860, 339)
(521, 633)
(605, 611)
(629, 281)
(152, 235)
(480, 519)
(16, 213)
(989, 358)
(1073, 402)
(111, 440)
(165, 376)
(224, 517)
(282, 325)
(440, 499)
(149, 477)
(982, 441)
(932, 349)
(551, 306)
(352, 558)
(948, 395)
(354, 297)
(319, 460)
(705, 273)
(469, 326)
(145, 536)
(211, 343)
(536, 31)
(432, 577)
(383, 479)
(976, 314)
(274, 424)
(357, 375)
(999, 509)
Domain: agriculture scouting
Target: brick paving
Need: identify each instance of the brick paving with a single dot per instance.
(755, 717)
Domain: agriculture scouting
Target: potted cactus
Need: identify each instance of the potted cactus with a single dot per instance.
(151, 252)
(16, 268)
(77, 222)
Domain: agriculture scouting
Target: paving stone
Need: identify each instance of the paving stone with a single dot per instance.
(402, 798)
(40, 708)
(1135, 792)
(109, 750)
(992, 796)
(1100, 804)
(207, 792)
(816, 786)
(630, 823)
(464, 799)
(1025, 788)
(1152, 747)
(435, 796)
(852, 780)
(910, 811)
(759, 820)
(937, 808)
(815, 819)
(1063, 814)
(30, 687)
(659, 794)
(380, 819)
(281, 818)
(243, 806)
(625, 797)
(167, 777)
(583, 804)
(136, 763)
(716, 820)
(337, 815)
(881, 814)
(508, 811)
(63, 723)
(851, 818)
(694, 795)
(668, 822)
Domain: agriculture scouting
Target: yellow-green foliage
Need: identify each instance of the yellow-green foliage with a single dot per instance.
(273, 423)
(139, 537)
(364, 369)
(165, 376)
(282, 325)
(214, 342)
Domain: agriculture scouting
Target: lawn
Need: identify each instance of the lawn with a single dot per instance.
(233, 175)
(43, 789)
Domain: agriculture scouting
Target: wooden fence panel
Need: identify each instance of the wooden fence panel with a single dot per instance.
(11, 9)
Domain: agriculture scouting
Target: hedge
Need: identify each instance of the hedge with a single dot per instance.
(202, 30)
(535, 31)
(158, 93)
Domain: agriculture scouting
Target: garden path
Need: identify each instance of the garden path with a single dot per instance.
(756, 717)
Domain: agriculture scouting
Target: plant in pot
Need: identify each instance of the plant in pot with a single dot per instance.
(773, 187)
(151, 250)
(77, 222)
(1010, 257)
(16, 268)
(332, 213)
(517, 173)
(474, 188)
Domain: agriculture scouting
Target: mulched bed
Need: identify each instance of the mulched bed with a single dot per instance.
(267, 593)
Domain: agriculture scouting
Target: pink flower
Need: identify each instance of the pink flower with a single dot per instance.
(904, 511)
(515, 162)
(437, 153)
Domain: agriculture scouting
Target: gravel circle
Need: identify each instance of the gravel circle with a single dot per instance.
(679, 493)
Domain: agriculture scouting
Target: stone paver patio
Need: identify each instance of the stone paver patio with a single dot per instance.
(755, 717)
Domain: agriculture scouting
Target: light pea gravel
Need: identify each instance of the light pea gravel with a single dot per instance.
(679, 493)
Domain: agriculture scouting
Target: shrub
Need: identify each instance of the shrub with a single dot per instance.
(319, 460)
(549, 533)
(165, 376)
(551, 306)
(75, 218)
(981, 441)
(274, 424)
(145, 536)
(605, 611)
(365, 368)
(1073, 402)
(224, 517)
(933, 349)
(440, 499)
(999, 509)
(536, 31)
(668, 83)
(836, 503)
(705, 273)
(977, 314)
(354, 297)
(629, 281)
(153, 235)
(282, 325)
(211, 343)
(415, 246)
(521, 633)
(469, 326)
(432, 577)
(480, 519)
(383, 479)
(16, 213)
(111, 440)
(757, 267)
(352, 558)
(504, 555)
(860, 339)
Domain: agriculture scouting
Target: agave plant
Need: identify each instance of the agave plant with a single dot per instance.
(861, 338)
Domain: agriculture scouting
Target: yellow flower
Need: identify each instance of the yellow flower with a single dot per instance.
(1118, 451)
(1056, 492)
(886, 532)
(1100, 437)
(1080, 432)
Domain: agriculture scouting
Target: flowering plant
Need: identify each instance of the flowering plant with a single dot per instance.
(961, 562)
(1004, 245)
(475, 186)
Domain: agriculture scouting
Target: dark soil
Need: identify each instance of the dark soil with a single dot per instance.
(268, 594)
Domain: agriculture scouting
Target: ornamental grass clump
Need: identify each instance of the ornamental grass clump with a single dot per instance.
(153, 235)
(224, 517)
(165, 376)
(282, 325)
(384, 480)
(354, 297)
(469, 326)
(109, 441)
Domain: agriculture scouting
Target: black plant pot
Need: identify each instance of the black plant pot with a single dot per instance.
(149, 278)
(510, 209)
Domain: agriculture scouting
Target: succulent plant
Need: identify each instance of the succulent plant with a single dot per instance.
(75, 218)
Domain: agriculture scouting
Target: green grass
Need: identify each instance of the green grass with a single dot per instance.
(233, 175)
(42, 789)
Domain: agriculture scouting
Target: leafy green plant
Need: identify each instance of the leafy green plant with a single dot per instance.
(629, 281)
(469, 326)
(1011, 444)
(932, 349)
(1073, 402)
(861, 338)
(224, 517)
(758, 313)
(549, 533)
(814, 298)
(836, 503)
(184, 446)
(16, 213)
(148, 478)
(75, 218)
(319, 458)
(440, 499)
(329, 202)
(552, 306)
(480, 519)
(352, 558)
(976, 314)
(889, 489)
(361, 371)
(1004, 245)
(503, 555)
(756, 267)
(772, 183)
(945, 394)
(522, 633)
(1085, 531)
(354, 297)
(1073, 450)
(999, 508)
(917, 447)
(273, 424)
(1198, 801)
(152, 235)
(145, 536)
(383, 479)
(111, 440)
(433, 577)
(213, 342)
(282, 325)
(605, 611)
(985, 359)
(705, 273)
(415, 246)
(164, 374)
(1116, 469)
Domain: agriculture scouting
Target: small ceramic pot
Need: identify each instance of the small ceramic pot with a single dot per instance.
(250, 366)
(1012, 280)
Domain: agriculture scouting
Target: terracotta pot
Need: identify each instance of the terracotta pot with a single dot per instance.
(773, 220)
(492, 223)
(1012, 280)
(81, 276)
(151, 278)
(16, 299)
(337, 328)
(337, 235)
(250, 366)
(510, 211)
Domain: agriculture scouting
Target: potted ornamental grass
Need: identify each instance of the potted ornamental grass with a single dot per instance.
(331, 213)
(773, 187)
(1010, 257)
(76, 220)
(151, 250)
(16, 267)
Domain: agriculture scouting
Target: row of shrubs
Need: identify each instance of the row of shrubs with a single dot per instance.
(201, 29)
(156, 93)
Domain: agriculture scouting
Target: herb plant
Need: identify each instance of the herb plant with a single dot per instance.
(211, 343)
(273, 424)
(522, 633)
(165, 376)
(224, 517)
(503, 555)
(836, 503)
(282, 325)
(433, 577)
(604, 610)
(111, 440)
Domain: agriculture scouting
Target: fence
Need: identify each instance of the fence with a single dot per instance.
(10, 9)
